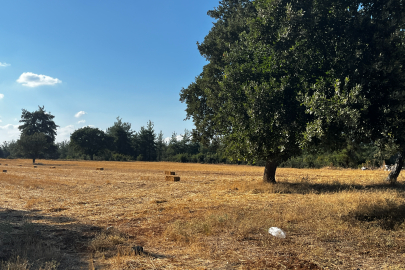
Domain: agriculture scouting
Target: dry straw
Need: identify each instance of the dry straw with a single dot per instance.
(217, 219)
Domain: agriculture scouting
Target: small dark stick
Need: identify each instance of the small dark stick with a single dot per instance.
(138, 250)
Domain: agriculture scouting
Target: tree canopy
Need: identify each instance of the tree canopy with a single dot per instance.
(32, 146)
(122, 135)
(90, 141)
(285, 75)
(145, 143)
(38, 121)
(38, 133)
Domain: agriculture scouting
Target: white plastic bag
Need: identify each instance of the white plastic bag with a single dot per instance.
(277, 232)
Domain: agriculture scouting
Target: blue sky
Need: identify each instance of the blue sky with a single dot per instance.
(101, 58)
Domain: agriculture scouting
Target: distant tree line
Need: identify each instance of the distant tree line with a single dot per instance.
(120, 143)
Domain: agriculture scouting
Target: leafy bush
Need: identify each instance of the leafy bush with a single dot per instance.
(120, 157)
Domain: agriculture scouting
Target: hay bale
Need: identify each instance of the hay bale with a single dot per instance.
(4, 170)
(169, 173)
(172, 178)
(34, 166)
(100, 169)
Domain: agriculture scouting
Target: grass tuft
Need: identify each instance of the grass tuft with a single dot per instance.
(388, 214)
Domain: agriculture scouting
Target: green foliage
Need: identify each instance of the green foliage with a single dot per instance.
(90, 141)
(38, 122)
(63, 149)
(10, 149)
(32, 146)
(161, 147)
(38, 131)
(145, 142)
(352, 156)
(286, 75)
(120, 157)
(360, 96)
(122, 135)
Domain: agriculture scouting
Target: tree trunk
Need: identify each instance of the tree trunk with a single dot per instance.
(33, 161)
(392, 177)
(269, 175)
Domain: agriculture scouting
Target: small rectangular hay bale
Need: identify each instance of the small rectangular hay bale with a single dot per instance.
(172, 178)
(100, 169)
(169, 173)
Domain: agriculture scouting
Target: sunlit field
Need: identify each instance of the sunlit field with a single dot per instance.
(69, 215)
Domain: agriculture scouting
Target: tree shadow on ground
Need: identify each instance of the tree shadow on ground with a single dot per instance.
(37, 241)
(305, 187)
(388, 214)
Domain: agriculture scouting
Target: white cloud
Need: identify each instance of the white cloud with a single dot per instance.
(33, 80)
(178, 137)
(81, 113)
(63, 133)
(4, 64)
(1, 96)
(81, 122)
(9, 132)
(9, 126)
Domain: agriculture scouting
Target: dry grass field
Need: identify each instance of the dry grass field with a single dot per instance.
(68, 215)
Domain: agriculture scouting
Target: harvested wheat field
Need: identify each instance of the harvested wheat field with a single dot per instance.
(125, 215)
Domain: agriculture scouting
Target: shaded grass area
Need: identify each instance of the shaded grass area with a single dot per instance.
(388, 214)
(26, 242)
(304, 186)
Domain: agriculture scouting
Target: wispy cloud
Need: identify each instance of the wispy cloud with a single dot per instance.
(9, 126)
(9, 132)
(81, 113)
(81, 122)
(63, 133)
(30, 79)
(1, 96)
(4, 64)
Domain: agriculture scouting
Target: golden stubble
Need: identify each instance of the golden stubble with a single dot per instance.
(216, 216)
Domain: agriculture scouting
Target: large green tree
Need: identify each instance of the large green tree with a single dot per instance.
(285, 75)
(90, 141)
(160, 147)
(36, 127)
(122, 134)
(245, 94)
(362, 94)
(32, 146)
(145, 142)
